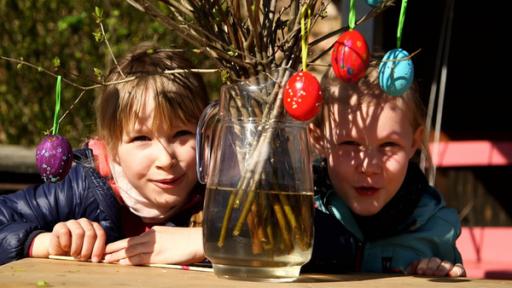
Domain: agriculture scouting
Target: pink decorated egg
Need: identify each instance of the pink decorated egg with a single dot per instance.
(350, 56)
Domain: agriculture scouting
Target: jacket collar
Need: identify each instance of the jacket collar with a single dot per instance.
(428, 203)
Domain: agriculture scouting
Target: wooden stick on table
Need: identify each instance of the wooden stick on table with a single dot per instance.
(169, 266)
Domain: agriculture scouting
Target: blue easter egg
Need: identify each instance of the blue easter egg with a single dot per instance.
(373, 3)
(396, 72)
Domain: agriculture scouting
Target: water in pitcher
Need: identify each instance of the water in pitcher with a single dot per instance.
(272, 241)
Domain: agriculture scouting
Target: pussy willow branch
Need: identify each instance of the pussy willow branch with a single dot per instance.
(240, 36)
(260, 153)
(41, 69)
(110, 49)
(254, 27)
(102, 84)
(267, 26)
(193, 34)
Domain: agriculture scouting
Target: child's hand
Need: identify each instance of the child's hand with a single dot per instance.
(435, 267)
(161, 244)
(82, 239)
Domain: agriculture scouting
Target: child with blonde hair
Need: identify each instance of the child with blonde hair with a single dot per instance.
(133, 190)
(376, 211)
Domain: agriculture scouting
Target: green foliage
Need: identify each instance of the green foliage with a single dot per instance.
(62, 37)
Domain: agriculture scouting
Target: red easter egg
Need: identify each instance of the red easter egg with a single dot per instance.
(302, 96)
(350, 56)
(53, 158)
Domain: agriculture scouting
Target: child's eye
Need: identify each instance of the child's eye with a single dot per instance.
(389, 147)
(349, 143)
(140, 138)
(181, 133)
(389, 144)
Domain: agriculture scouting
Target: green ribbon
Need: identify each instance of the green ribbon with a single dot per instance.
(352, 14)
(304, 29)
(55, 128)
(401, 23)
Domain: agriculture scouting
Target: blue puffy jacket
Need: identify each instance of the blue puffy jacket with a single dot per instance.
(83, 193)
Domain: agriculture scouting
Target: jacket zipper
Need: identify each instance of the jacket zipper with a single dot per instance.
(359, 256)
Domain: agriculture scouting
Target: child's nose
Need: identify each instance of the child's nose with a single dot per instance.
(166, 156)
(370, 163)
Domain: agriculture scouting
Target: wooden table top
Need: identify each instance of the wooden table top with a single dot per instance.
(32, 272)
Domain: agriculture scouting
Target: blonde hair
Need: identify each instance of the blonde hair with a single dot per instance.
(179, 97)
(368, 89)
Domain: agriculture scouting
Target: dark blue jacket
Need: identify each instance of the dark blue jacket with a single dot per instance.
(83, 193)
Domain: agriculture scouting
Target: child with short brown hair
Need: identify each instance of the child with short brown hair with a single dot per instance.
(137, 179)
(376, 211)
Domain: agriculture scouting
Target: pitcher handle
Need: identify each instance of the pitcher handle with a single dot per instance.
(204, 138)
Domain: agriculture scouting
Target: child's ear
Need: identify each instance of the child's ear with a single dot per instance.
(418, 139)
(317, 139)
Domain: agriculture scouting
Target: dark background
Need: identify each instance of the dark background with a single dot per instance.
(475, 98)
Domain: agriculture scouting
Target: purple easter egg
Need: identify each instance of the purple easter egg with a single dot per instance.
(53, 158)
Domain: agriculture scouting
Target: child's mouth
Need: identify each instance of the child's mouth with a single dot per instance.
(366, 191)
(168, 183)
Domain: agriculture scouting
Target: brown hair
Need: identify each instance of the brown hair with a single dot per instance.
(178, 97)
(368, 89)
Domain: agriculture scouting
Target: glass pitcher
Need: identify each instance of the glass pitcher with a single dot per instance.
(258, 212)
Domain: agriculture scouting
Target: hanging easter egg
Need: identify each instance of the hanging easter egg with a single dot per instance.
(53, 158)
(350, 56)
(302, 96)
(396, 72)
(373, 3)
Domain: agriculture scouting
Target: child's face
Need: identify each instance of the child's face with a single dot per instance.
(160, 163)
(368, 146)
